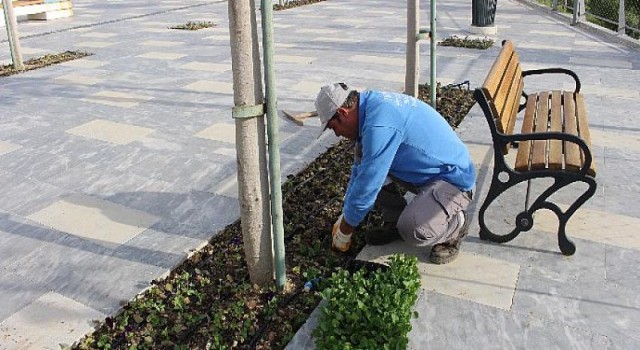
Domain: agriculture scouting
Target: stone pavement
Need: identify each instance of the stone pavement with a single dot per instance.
(116, 166)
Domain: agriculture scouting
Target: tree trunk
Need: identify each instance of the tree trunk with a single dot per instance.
(253, 183)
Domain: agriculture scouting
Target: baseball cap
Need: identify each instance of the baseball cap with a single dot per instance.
(330, 98)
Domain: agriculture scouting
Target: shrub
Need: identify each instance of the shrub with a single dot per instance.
(369, 310)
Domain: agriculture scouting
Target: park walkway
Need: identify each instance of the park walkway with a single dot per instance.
(114, 167)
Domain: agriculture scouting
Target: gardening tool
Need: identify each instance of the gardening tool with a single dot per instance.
(300, 117)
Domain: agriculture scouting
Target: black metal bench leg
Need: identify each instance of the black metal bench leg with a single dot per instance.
(495, 190)
(566, 246)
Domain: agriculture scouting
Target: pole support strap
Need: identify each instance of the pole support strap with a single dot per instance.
(247, 112)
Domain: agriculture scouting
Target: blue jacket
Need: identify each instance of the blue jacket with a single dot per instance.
(405, 137)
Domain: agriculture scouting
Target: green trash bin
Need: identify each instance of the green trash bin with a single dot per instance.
(483, 13)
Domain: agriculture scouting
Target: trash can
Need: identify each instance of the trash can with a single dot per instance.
(483, 13)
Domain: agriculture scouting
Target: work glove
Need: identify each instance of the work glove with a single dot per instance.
(341, 235)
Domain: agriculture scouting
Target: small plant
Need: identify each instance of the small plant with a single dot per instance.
(465, 42)
(369, 310)
(195, 25)
(43, 61)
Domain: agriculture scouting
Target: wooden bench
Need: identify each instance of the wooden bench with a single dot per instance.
(40, 9)
(554, 142)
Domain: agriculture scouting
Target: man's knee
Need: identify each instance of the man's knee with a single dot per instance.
(431, 218)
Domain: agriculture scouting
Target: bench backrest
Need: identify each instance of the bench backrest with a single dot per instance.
(503, 89)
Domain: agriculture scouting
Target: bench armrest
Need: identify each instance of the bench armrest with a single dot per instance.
(507, 139)
(555, 70)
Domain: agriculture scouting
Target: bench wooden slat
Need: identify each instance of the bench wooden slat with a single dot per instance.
(496, 73)
(572, 150)
(583, 129)
(555, 146)
(19, 3)
(524, 148)
(515, 103)
(539, 150)
(506, 93)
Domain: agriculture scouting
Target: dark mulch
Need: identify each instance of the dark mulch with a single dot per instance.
(46, 60)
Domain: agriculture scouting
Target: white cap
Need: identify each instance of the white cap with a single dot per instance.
(330, 98)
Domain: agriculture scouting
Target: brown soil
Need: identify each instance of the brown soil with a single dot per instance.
(46, 60)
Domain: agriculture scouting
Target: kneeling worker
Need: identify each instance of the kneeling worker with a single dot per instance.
(400, 139)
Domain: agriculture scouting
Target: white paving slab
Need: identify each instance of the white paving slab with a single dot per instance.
(615, 139)
(471, 277)
(75, 78)
(85, 63)
(161, 43)
(109, 131)
(95, 44)
(117, 98)
(224, 132)
(51, 319)
(94, 219)
(207, 67)
(210, 86)
(595, 225)
(6, 147)
(294, 59)
(169, 56)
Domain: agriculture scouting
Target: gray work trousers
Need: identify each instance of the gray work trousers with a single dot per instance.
(431, 218)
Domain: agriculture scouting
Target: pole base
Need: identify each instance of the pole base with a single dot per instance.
(488, 30)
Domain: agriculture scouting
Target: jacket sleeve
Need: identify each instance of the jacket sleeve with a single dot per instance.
(379, 147)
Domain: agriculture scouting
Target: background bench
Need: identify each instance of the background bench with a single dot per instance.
(40, 9)
(554, 142)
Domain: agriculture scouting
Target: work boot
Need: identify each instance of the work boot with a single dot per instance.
(446, 252)
(382, 235)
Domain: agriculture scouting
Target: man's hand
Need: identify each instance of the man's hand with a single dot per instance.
(341, 235)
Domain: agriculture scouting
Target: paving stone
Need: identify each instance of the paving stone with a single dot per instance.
(118, 99)
(6, 147)
(105, 130)
(37, 326)
(484, 327)
(85, 271)
(17, 293)
(102, 221)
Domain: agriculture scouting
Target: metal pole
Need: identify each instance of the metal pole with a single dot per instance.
(412, 72)
(432, 80)
(274, 143)
(12, 34)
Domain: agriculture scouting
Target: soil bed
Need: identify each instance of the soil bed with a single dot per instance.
(46, 60)
(208, 302)
(195, 25)
(466, 42)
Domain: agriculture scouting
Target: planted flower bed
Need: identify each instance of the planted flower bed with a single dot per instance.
(466, 42)
(46, 60)
(208, 302)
